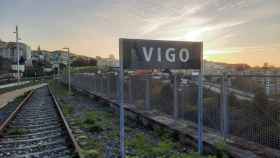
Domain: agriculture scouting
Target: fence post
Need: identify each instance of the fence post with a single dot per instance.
(130, 91)
(147, 94)
(267, 86)
(117, 87)
(95, 83)
(183, 101)
(99, 85)
(175, 98)
(108, 87)
(224, 105)
(102, 86)
(277, 85)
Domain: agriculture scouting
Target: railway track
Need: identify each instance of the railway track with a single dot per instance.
(37, 129)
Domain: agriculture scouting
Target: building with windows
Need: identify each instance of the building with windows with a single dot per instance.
(107, 62)
(8, 50)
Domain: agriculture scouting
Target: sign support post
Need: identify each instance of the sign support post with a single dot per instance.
(200, 106)
(121, 102)
(130, 91)
(200, 114)
(224, 106)
(175, 98)
(151, 54)
(147, 94)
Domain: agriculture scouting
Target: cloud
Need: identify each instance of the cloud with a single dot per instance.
(94, 26)
(184, 13)
(197, 34)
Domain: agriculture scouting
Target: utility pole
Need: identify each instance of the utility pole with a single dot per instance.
(69, 68)
(17, 47)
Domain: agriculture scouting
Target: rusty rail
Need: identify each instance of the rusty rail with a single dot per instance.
(66, 125)
(13, 114)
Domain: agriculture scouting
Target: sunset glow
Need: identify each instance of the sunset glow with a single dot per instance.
(232, 31)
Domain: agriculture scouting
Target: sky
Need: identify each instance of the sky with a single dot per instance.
(232, 31)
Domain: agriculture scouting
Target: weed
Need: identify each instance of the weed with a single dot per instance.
(95, 128)
(17, 131)
(91, 118)
(162, 133)
(58, 89)
(222, 149)
(67, 109)
(94, 122)
(191, 155)
(90, 153)
(144, 148)
(78, 122)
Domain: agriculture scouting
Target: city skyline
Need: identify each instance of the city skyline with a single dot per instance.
(240, 31)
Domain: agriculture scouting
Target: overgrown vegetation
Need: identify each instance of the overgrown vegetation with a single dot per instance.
(101, 131)
(58, 88)
(17, 131)
(94, 122)
(222, 149)
(67, 109)
(143, 147)
(165, 148)
(91, 153)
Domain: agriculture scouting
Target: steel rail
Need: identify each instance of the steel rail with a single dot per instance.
(66, 125)
(13, 114)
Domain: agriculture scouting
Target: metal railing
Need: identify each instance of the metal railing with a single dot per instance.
(246, 106)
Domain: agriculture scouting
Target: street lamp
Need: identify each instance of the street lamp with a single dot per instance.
(68, 64)
(17, 47)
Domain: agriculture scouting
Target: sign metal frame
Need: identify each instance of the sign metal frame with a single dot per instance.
(123, 48)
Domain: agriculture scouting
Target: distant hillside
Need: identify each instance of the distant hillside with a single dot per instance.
(77, 60)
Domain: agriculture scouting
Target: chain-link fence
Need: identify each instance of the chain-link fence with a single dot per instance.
(233, 105)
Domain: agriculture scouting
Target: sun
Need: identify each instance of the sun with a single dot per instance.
(193, 35)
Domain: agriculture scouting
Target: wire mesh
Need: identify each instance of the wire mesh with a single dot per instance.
(244, 106)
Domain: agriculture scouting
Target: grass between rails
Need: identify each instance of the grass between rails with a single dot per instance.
(100, 134)
(58, 88)
(89, 147)
(17, 131)
(13, 105)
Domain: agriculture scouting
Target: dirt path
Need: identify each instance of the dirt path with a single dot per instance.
(5, 98)
(14, 84)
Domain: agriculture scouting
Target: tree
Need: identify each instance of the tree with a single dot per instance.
(245, 84)
(79, 61)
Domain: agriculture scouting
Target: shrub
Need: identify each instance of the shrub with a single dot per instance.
(90, 153)
(17, 131)
(222, 149)
(93, 122)
(67, 109)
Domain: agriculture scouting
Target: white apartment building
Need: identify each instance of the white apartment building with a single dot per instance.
(107, 62)
(8, 50)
